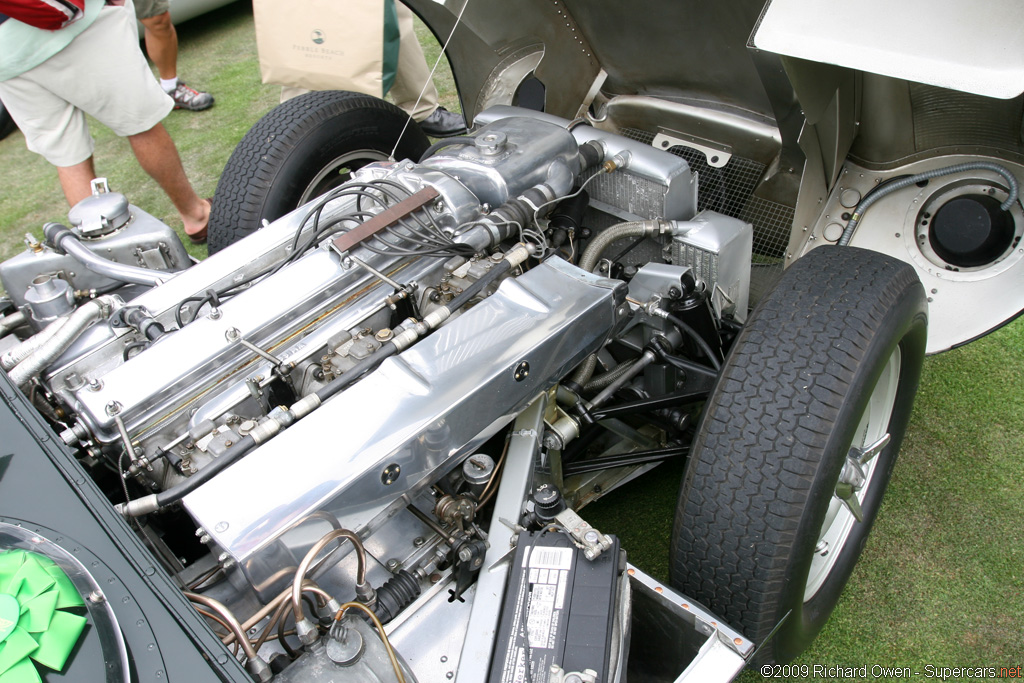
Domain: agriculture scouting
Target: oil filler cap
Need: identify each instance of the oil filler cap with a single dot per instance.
(101, 213)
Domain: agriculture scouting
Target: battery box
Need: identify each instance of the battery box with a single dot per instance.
(565, 602)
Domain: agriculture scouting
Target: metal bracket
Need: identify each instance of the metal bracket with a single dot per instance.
(717, 157)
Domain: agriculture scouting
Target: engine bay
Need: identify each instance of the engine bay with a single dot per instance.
(365, 407)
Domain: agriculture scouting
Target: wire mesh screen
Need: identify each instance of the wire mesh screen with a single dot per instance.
(730, 190)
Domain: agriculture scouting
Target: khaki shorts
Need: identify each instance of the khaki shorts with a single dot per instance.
(101, 73)
(144, 9)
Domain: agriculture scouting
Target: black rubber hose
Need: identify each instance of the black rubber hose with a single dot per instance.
(144, 323)
(229, 458)
(592, 154)
(692, 334)
(364, 366)
(478, 286)
(447, 142)
(389, 349)
(247, 443)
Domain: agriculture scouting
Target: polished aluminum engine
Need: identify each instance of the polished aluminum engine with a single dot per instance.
(247, 347)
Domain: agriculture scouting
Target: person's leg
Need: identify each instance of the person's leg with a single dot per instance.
(76, 180)
(117, 87)
(413, 89)
(159, 158)
(162, 45)
(53, 128)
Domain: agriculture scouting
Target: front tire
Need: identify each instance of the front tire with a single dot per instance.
(797, 443)
(302, 149)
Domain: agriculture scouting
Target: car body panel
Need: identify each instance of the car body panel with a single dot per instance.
(946, 44)
(780, 89)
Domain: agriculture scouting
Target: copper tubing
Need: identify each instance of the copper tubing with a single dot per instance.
(380, 629)
(310, 587)
(229, 618)
(277, 601)
(213, 617)
(282, 608)
(491, 488)
(303, 569)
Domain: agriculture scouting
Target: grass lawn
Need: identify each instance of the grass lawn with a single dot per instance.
(941, 581)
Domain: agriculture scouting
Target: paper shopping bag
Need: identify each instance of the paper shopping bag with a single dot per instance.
(324, 44)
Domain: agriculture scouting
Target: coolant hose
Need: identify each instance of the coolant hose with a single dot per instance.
(632, 371)
(26, 348)
(62, 338)
(887, 189)
(605, 238)
(589, 260)
(11, 322)
(64, 239)
(591, 154)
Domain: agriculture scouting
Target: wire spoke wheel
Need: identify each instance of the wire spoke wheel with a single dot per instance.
(302, 149)
(339, 171)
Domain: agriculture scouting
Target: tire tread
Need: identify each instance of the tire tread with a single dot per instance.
(255, 165)
(766, 424)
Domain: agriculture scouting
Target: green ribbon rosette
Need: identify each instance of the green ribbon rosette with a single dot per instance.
(35, 629)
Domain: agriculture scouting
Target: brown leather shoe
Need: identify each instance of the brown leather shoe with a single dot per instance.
(200, 237)
(197, 238)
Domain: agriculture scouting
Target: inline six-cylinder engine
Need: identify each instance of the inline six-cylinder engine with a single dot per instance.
(361, 369)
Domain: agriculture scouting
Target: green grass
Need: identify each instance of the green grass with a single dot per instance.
(942, 577)
(218, 54)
